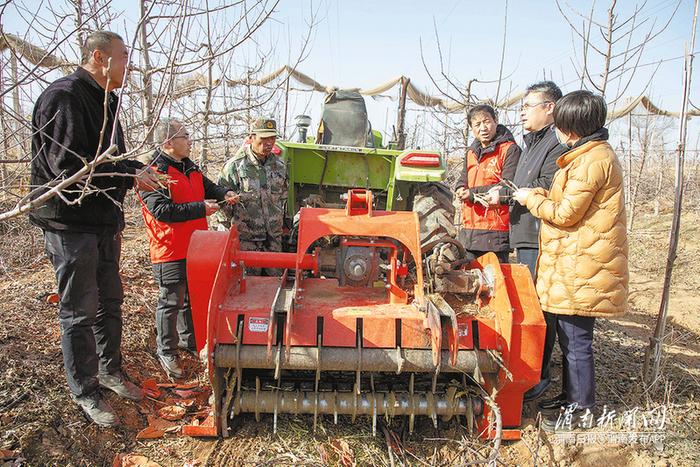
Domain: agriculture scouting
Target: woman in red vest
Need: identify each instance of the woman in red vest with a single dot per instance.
(172, 214)
(491, 159)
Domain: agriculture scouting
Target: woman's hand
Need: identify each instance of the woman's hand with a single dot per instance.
(521, 194)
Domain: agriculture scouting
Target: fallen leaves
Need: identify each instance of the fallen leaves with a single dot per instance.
(185, 393)
(177, 401)
(7, 454)
(53, 299)
(172, 412)
(164, 425)
(150, 388)
(133, 460)
(150, 432)
(190, 385)
(346, 457)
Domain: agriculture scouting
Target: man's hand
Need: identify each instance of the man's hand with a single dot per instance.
(521, 195)
(146, 180)
(462, 193)
(494, 195)
(211, 206)
(231, 197)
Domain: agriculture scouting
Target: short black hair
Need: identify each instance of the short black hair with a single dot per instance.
(481, 108)
(98, 40)
(549, 89)
(580, 112)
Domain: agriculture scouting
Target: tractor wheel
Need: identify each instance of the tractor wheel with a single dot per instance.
(433, 204)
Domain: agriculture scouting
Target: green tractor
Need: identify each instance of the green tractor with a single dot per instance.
(346, 153)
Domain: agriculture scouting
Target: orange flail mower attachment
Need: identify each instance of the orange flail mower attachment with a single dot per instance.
(348, 330)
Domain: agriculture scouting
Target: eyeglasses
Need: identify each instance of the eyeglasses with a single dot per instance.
(530, 106)
(182, 136)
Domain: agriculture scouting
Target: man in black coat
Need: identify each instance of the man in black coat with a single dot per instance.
(82, 227)
(536, 168)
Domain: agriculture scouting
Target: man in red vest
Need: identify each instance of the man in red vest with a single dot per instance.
(172, 214)
(491, 159)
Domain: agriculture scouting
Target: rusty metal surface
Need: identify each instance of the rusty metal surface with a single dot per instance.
(349, 403)
(469, 282)
(345, 359)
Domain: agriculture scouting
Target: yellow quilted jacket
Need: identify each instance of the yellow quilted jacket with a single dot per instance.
(582, 267)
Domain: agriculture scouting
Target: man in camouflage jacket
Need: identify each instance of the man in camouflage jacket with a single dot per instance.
(260, 178)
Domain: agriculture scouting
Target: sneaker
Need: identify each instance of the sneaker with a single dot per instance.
(554, 403)
(537, 391)
(120, 385)
(97, 409)
(171, 365)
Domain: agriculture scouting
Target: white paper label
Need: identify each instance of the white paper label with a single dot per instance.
(258, 324)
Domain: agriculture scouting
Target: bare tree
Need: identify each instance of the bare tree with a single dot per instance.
(608, 53)
(166, 44)
(652, 363)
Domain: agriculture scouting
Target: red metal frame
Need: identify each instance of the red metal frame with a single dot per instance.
(222, 296)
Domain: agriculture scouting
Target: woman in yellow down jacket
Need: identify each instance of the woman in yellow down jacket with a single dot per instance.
(582, 268)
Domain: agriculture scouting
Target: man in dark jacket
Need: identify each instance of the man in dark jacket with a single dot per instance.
(82, 226)
(536, 168)
(491, 161)
(172, 214)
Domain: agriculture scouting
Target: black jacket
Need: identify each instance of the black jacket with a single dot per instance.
(162, 207)
(483, 239)
(537, 166)
(67, 122)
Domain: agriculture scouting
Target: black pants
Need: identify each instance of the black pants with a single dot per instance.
(87, 273)
(174, 326)
(528, 257)
(576, 343)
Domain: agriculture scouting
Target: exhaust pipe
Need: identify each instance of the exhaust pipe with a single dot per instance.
(303, 123)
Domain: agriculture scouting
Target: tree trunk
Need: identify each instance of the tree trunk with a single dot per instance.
(147, 109)
(80, 34)
(628, 184)
(4, 135)
(656, 345)
(204, 157)
(401, 117)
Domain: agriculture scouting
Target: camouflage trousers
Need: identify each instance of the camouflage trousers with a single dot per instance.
(271, 244)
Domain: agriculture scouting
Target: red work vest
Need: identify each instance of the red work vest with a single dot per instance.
(483, 172)
(169, 241)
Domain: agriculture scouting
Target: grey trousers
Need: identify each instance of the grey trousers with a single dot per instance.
(91, 295)
(174, 326)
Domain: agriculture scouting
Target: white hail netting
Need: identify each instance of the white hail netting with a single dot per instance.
(194, 82)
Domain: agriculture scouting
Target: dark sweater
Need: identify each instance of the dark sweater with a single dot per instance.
(536, 168)
(67, 121)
